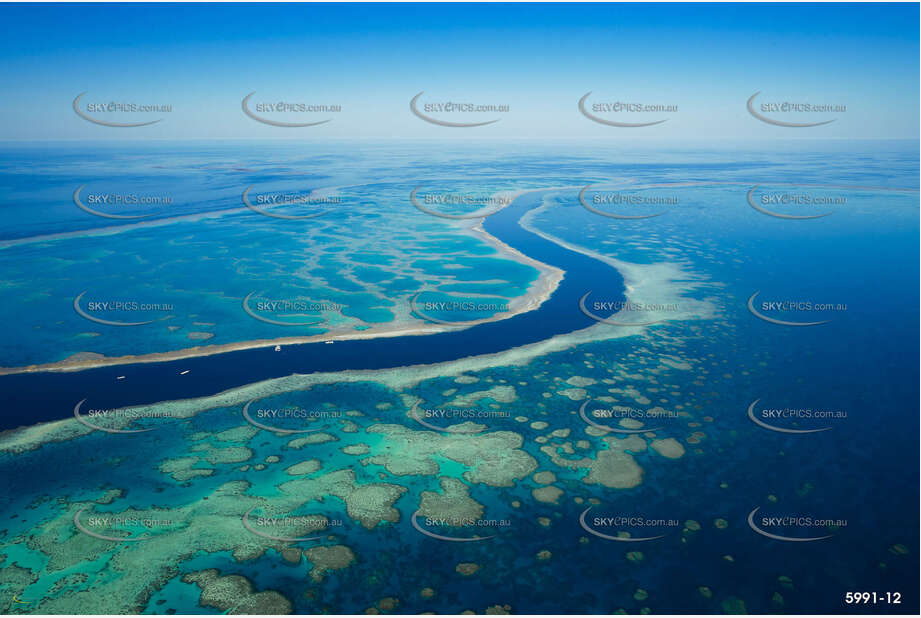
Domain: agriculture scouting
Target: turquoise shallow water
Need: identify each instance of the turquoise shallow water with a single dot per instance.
(710, 368)
(186, 281)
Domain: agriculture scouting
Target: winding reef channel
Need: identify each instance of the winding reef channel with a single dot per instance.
(51, 395)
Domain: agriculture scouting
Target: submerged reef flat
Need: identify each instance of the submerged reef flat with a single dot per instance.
(336, 487)
(133, 570)
(369, 503)
(184, 468)
(305, 467)
(328, 558)
(660, 281)
(452, 503)
(240, 519)
(359, 284)
(371, 472)
(608, 468)
(495, 458)
(233, 594)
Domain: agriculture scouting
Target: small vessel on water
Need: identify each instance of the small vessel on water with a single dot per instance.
(278, 348)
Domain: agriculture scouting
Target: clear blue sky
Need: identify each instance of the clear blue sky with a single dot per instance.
(539, 59)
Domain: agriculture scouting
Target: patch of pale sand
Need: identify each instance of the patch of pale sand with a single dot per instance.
(630, 423)
(453, 503)
(494, 458)
(544, 477)
(668, 447)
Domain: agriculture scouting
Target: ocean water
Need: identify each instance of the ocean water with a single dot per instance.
(690, 476)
